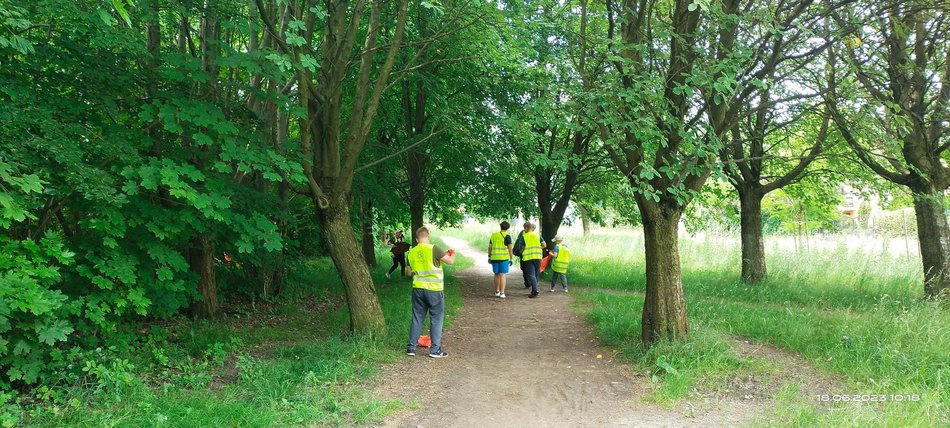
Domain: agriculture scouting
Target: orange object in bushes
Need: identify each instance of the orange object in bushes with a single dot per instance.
(425, 341)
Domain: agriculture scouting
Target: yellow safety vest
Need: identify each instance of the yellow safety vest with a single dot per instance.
(532, 247)
(499, 251)
(426, 275)
(563, 260)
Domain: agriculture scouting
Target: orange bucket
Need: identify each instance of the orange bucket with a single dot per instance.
(425, 341)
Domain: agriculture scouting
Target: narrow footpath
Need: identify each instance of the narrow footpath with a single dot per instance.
(528, 362)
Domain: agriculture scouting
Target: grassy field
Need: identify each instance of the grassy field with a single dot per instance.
(283, 363)
(855, 315)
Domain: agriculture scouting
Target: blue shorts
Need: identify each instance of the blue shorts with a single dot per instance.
(499, 266)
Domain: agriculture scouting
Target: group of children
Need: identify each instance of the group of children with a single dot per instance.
(529, 247)
(425, 267)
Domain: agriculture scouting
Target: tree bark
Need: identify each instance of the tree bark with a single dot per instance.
(753, 243)
(664, 308)
(585, 223)
(201, 261)
(369, 244)
(549, 225)
(417, 196)
(933, 234)
(365, 312)
(552, 211)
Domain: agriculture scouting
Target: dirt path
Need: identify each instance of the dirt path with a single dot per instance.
(530, 362)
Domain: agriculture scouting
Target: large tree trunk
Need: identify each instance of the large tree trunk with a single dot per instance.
(552, 211)
(753, 243)
(201, 261)
(549, 224)
(585, 223)
(664, 308)
(369, 243)
(417, 196)
(933, 234)
(365, 312)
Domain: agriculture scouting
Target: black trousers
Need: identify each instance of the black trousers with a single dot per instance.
(399, 260)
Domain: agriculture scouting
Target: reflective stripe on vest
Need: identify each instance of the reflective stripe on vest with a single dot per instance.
(532, 247)
(499, 251)
(563, 260)
(425, 274)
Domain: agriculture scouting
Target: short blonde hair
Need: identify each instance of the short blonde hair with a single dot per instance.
(422, 231)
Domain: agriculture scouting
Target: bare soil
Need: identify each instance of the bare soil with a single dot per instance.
(534, 362)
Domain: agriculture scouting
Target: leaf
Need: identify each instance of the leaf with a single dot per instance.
(51, 332)
(309, 62)
(105, 16)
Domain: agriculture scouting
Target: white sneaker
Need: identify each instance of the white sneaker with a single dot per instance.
(502, 295)
(497, 294)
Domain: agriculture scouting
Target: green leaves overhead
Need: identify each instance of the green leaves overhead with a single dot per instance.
(117, 153)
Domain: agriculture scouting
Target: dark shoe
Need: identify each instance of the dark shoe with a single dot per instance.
(532, 295)
(411, 353)
(441, 354)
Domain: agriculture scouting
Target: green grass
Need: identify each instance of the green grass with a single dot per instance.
(284, 363)
(853, 315)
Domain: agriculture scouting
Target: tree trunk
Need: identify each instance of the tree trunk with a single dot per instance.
(417, 196)
(369, 244)
(753, 243)
(549, 224)
(933, 234)
(365, 312)
(585, 223)
(552, 210)
(664, 308)
(201, 261)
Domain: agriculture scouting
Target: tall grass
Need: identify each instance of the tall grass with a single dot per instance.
(854, 313)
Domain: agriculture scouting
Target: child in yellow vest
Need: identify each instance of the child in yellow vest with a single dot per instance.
(560, 261)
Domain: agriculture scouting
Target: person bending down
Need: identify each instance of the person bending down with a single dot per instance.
(397, 248)
(561, 260)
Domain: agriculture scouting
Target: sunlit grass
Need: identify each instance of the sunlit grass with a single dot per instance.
(855, 314)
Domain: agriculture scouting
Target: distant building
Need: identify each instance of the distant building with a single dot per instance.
(851, 201)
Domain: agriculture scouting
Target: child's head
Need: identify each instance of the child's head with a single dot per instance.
(505, 225)
(558, 239)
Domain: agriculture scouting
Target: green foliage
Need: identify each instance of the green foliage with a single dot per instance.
(106, 178)
(803, 207)
(284, 363)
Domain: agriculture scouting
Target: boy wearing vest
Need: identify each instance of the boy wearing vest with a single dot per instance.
(531, 258)
(500, 255)
(561, 260)
(425, 267)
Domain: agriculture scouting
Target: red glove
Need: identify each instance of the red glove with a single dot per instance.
(451, 252)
